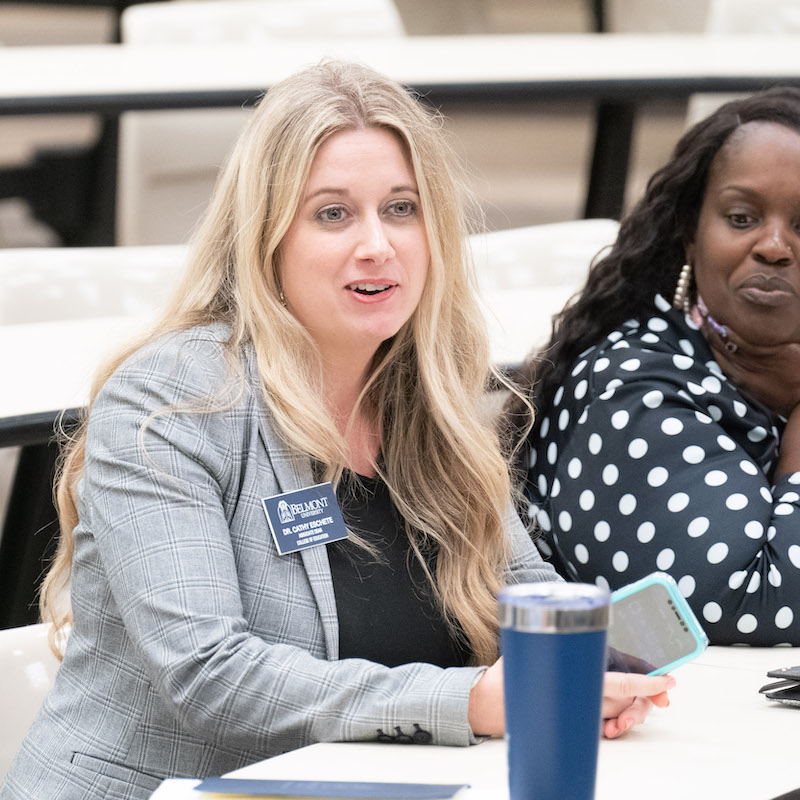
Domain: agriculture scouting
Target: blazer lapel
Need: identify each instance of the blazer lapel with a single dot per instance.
(292, 471)
(315, 560)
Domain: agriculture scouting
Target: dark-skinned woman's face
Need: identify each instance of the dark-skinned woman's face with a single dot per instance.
(746, 248)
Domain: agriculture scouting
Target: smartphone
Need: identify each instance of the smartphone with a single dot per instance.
(651, 629)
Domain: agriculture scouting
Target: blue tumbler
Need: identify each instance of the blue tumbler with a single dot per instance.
(553, 642)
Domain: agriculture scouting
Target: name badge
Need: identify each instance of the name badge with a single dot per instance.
(304, 518)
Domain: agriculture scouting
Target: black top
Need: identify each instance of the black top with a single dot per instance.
(650, 459)
(387, 613)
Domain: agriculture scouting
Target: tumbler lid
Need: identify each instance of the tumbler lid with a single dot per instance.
(557, 607)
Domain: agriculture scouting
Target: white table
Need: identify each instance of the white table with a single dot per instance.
(123, 77)
(46, 368)
(58, 360)
(718, 739)
(489, 71)
(49, 366)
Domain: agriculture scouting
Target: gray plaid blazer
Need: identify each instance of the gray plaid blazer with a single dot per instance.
(196, 649)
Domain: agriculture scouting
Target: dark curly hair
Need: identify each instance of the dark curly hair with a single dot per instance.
(648, 254)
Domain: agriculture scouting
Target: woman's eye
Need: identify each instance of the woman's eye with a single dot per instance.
(739, 220)
(331, 214)
(403, 208)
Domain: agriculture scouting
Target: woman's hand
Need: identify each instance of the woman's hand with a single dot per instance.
(486, 714)
(627, 699)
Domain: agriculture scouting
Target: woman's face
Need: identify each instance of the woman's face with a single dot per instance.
(746, 249)
(355, 259)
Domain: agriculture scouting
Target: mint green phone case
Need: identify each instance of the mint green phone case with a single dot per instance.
(665, 584)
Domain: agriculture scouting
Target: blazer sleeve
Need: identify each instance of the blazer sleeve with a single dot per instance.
(526, 565)
(152, 503)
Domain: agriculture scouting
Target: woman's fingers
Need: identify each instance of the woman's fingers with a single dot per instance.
(661, 700)
(620, 685)
(628, 698)
(634, 714)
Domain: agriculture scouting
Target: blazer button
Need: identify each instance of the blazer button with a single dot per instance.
(403, 738)
(420, 736)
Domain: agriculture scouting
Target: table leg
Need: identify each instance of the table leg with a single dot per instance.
(103, 201)
(612, 145)
(30, 535)
(72, 189)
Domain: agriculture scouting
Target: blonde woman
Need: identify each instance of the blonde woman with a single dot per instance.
(326, 331)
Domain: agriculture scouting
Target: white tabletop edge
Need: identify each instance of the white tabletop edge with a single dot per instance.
(528, 59)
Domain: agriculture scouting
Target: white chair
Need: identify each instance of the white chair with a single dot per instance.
(52, 284)
(655, 16)
(771, 17)
(527, 275)
(704, 16)
(538, 255)
(27, 670)
(169, 159)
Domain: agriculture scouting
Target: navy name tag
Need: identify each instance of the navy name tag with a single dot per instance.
(304, 518)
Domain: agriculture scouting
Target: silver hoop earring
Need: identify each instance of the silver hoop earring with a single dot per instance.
(680, 299)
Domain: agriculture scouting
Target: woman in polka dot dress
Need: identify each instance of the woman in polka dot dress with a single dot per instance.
(668, 428)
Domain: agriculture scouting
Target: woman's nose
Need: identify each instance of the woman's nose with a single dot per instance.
(374, 244)
(775, 245)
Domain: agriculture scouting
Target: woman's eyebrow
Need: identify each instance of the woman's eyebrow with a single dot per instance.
(405, 188)
(326, 190)
(334, 190)
(735, 187)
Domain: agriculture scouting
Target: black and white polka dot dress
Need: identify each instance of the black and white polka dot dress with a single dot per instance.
(649, 459)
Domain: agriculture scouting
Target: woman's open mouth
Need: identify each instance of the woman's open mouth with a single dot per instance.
(370, 289)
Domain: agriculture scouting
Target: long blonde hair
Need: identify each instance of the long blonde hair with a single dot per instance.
(442, 464)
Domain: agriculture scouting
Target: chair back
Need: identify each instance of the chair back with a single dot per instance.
(169, 160)
(528, 274)
(196, 21)
(767, 17)
(27, 671)
(54, 284)
(655, 16)
(541, 255)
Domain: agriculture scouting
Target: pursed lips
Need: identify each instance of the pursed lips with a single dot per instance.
(769, 290)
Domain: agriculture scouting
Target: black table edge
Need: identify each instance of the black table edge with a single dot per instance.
(522, 91)
(39, 428)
